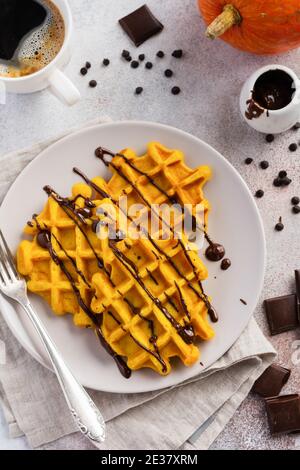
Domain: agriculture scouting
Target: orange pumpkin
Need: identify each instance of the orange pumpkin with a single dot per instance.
(258, 26)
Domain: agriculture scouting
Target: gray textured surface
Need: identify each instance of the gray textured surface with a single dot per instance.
(210, 75)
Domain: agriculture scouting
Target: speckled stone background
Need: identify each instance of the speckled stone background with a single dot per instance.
(210, 76)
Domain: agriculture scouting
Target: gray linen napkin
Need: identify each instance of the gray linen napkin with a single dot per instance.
(188, 416)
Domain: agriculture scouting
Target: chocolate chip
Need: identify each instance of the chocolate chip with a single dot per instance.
(279, 227)
(259, 193)
(296, 126)
(283, 414)
(282, 313)
(168, 73)
(83, 71)
(142, 57)
(295, 200)
(141, 25)
(175, 90)
(293, 147)
(282, 174)
(285, 181)
(106, 62)
(178, 53)
(88, 65)
(93, 83)
(264, 165)
(270, 138)
(270, 383)
(134, 64)
(128, 58)
(296, 209)
(160, 54)
(125, 53)
(149, 65)
(277, 182)
(248, 161)
(139, 90)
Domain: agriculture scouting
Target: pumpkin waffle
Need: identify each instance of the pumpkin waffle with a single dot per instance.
(144, 295)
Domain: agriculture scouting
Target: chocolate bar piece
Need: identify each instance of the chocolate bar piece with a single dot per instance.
(141, 25)
(270, 383)
(284, 414)
(282, 313)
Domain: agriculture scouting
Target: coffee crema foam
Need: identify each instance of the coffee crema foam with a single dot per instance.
(39, 48)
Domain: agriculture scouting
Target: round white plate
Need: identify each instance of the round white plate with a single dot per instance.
(234, 222)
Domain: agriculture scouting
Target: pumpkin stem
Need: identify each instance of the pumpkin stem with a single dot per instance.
(229, 17)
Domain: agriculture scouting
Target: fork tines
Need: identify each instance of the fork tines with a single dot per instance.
(8, 271)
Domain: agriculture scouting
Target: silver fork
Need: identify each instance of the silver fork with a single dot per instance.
(84, 411)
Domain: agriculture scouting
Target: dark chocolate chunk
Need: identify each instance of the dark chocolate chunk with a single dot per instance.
(270, 383)
(125, 53)
(264, 165)
(141, 25)
(293, 147)
(283, 414)
(296, 126)
(134, 64)
(106, 62)
(270, 138)
(149, 65)
(160, 54)
(282, 313)
(177, 53)
(128, 58)
(88, 65)
(282, 174)
(83, 71)
(168, 73)
(295, 200)
(93, 83)
(175, 90)
(142, 57)
(296, 209)
(248, 161)
(259, 194)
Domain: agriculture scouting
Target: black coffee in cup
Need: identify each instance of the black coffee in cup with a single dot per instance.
(32, 33)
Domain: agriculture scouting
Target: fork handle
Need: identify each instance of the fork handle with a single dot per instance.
(84, 411)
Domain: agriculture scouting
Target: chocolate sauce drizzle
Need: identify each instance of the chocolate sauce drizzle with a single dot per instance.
(100, 153)
(66, 204)
(201, 295)
(153, 339)
(185, 332)
(44, 240)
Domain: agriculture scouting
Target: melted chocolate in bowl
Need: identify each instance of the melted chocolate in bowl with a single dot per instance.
(31, 35)
(273, 90)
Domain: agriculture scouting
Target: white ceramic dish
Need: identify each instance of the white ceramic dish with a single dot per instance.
(234, 221)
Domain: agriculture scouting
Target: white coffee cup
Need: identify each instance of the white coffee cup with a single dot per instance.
(272, 121)
(50, 76)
